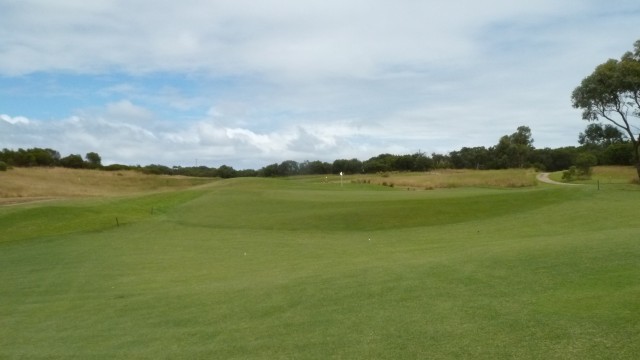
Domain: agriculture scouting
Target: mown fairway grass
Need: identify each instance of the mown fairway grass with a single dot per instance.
(303, 269)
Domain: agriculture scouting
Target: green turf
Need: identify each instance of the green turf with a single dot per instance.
(300, 269)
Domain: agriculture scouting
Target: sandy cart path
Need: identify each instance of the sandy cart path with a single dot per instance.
(544, 177)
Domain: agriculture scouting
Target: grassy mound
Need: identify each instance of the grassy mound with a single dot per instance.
(29, 184)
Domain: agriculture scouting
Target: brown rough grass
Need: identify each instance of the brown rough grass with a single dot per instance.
(511, 178)
(33, 184)
(615, 174)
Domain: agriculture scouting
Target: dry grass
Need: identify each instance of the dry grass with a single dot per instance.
(615, 174)
(511, 178)
(32, 184)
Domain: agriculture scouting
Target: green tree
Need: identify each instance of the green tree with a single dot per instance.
(288, 168)
(513, 150)
(421, 162)
(157, 169)
(441, 161)
(353, 166)
(381, 163)
(612, 92)
(315, 167)
(226, 172)
(584, 162)
(618, 154)
(72, 161)
(600, 135)
(477, 157)
(269, 170)
(548, 159)
(93, 160)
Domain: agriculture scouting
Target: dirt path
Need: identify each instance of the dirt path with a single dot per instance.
(544, 177)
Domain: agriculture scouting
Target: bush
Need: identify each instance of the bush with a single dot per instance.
(575, 173)
(571, 174)
(582, 168)
(584, 162)
(3, 166)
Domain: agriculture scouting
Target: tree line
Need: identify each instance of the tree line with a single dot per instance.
(47, 157)
(599, 145)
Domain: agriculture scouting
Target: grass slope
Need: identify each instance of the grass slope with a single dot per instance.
(28, 184)
(298, 268)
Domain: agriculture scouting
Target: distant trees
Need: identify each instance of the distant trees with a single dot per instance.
(421, 162)
(380, 163)
(472, 158)
(600, 145)
(418, 161)
(226, 172)
(352, 166)
(612, 93)
(513, 150)
(607, 143)
(93, 160)
(314, 168)
(157, 169)
(30, 157)
(288, 168)
(223, 171)
(72, 161)
(48, 157)
(554, 159)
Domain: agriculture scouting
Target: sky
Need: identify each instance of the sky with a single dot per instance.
(251, 83)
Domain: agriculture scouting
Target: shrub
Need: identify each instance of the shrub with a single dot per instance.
(571, 174)
(584, 162)
(3, 166)
(575, 173)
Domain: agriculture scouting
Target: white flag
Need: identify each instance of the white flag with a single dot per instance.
(340, 173)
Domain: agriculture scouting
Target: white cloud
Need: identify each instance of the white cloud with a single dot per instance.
(14, 120)
(276, 38)
(245, 83)
(125, 110)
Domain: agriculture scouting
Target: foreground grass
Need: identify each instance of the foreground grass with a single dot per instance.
(260, 268)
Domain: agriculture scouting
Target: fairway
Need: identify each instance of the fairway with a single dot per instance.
(300, 268)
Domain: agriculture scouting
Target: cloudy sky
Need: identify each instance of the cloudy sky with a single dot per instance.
(249, 83)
